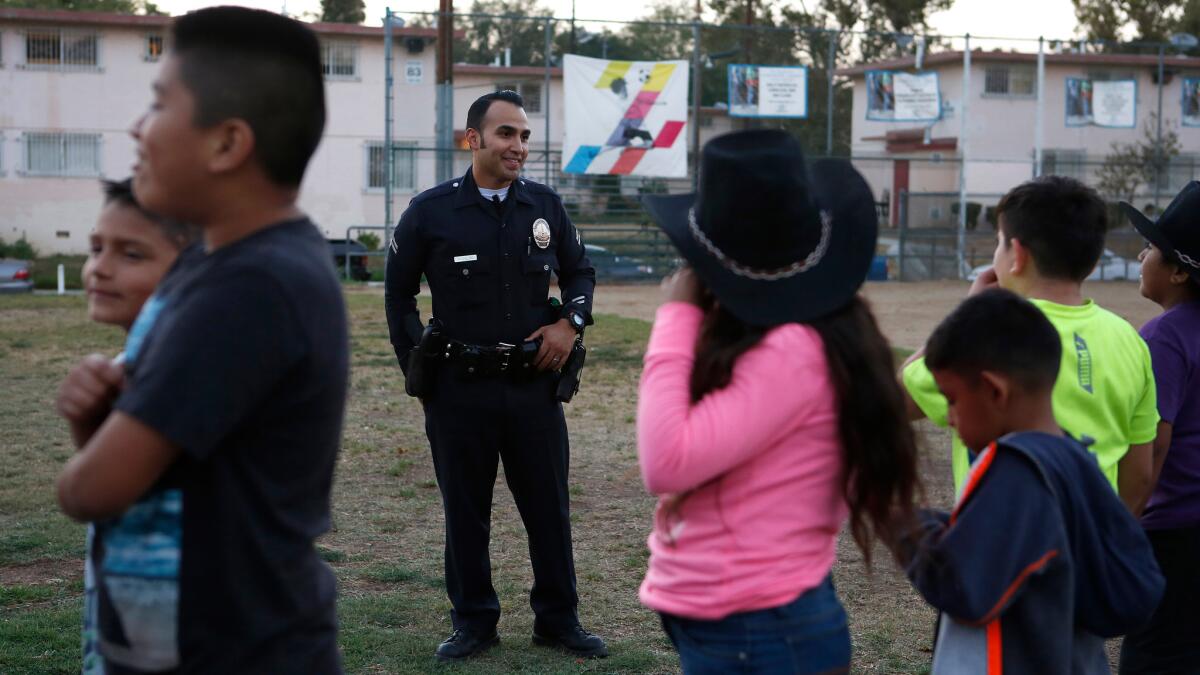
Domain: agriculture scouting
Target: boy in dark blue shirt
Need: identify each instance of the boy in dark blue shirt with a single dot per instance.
(210, 479)
(1039, 561)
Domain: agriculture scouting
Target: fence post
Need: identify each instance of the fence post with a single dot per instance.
(387, 130)
(546, 107)
(696, 85)
(62, 279)
(1039, 130)
(902, 219)
(834, 37)
(963, 130)
(1158, 149)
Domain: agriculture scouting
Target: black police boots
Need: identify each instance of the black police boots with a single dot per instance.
(575, 640)
(464, 644)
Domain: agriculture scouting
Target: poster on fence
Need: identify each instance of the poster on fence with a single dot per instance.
(625, 117)
(1191, 102)
(1110, 104)
(903, 97)
(768, 91)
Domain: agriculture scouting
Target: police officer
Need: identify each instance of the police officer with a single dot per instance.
(488, 244)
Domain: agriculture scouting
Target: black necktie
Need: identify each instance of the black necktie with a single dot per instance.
(498, 204)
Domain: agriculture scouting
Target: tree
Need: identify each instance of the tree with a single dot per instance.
(343, 11)
(1142, 163)
(510, 24)
(1140, 20)
(115, 6)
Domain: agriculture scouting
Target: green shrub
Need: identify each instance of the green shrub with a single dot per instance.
(21, 249)
(45, 271)
(370, 240)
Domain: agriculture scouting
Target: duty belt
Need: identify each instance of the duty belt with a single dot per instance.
(495, 359)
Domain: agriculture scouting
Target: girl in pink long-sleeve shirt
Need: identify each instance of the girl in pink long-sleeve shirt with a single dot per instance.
(768, 413)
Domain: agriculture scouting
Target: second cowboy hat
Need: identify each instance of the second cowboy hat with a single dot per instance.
(1177, 231)
(775, 239)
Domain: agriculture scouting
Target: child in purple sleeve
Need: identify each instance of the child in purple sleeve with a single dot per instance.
(1170, 643)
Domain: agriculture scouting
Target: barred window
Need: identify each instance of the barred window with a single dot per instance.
(55, 49)
(154, 47)
(1010, 81)
(339, 60)
(1069, 163)
(404, 160)
(532, 93)
(59, 154)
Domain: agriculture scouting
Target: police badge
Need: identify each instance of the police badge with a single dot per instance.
(541, 233)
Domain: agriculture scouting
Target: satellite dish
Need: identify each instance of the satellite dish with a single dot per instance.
(1185, 41)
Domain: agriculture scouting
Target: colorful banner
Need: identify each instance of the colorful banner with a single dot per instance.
(1191, 102)
(768, 91)
(625, 117)
(903, 97)
(1110, 104)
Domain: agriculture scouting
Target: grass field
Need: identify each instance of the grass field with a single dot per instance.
(386, 543)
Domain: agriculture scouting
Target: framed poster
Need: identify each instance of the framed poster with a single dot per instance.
(1110, 104)
(1191, 102)
(768, 91)
(625, 118)
(894, 96)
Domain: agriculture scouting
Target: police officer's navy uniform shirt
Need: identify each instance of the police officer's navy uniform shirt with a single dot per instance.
(489, 276)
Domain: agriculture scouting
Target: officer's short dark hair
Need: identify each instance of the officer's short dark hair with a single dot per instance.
(262, 68)
(1060, 220)
(1001, 332)
(479, 108)
(121, 192)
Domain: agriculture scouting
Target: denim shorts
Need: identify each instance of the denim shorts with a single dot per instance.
(807, 635)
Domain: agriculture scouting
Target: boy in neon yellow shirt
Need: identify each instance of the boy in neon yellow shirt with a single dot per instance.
(1050, 236)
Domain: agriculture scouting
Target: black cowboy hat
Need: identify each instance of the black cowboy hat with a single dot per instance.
(775, 239)
(1177, 231)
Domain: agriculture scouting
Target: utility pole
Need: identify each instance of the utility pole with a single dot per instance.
(445, 91)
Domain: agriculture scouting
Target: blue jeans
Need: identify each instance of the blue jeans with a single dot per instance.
(807, 635)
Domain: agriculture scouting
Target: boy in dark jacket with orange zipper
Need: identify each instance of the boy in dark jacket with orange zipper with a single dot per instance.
(1039, 561)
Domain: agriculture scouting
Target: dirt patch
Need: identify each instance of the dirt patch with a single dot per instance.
(47, 571)
(907, 312)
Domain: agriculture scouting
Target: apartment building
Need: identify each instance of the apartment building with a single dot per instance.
(999, 138)
(72, 83)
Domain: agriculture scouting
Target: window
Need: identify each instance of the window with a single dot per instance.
(59, 154)
(530, 91)
(1010, 81)
(339, 60)
(154, 48)
(404, 158)
(1069, 163)
(54, 49)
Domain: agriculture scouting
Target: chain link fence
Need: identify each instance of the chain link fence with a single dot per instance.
(1123, 118)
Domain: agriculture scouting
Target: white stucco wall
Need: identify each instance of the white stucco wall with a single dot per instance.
(1000, 131)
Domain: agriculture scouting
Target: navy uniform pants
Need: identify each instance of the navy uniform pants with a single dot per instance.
(472, 423)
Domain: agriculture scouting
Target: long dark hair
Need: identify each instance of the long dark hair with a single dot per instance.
(880, 482)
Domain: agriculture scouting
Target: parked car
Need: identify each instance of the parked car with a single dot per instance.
(340, 248)
(1111, 267)
(15, 276)
(610, 266)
